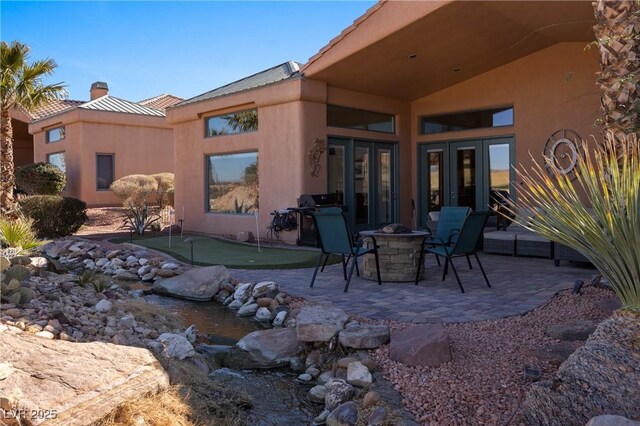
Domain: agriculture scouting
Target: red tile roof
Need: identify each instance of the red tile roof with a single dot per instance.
(54, 107)
(161, 102)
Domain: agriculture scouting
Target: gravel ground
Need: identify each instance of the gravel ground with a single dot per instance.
(484, 384)
(103, 220)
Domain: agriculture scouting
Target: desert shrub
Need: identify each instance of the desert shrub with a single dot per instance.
(609, 236)
(40, 179)
(19, 234)
(144, 196)
(164, 192)
(54, 216)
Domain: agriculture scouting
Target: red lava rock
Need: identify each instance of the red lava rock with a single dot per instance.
(483, 383)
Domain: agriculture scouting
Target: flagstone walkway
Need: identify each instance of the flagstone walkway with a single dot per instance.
(518, 285)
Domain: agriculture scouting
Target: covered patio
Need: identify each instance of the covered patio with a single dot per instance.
(518, 285)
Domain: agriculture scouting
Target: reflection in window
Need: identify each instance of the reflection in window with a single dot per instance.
(235, 122)
(232, 181)
(466, 177)
(383, 186)
(338, 116)
(495, 117)
(104, 171)
(499, 163)
(361, 166)
(434, 159)
(336, 172)
(55, 135)
(58, 160)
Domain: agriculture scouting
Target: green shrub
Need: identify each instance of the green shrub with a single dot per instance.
(40, 179)
(19, 234)
(54, 216)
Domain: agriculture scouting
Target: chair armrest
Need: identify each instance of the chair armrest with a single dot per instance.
(361, 241)
(453, 233)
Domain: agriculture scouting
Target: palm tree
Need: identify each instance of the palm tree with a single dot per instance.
(617, 33)
(21, 87)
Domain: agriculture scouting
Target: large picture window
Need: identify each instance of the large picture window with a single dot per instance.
(235, 122)
(58, 160)
(495, 117)
(104, 171)
(232, 183)
(338, 116)
(55, 134)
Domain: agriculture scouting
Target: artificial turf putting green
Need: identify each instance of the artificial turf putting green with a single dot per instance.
(214, 251)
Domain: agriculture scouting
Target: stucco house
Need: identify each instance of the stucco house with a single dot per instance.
(415, 106)
(98, 141)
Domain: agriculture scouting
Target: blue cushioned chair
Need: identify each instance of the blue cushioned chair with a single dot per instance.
(460, 244)
(449, 223)
(334, 238)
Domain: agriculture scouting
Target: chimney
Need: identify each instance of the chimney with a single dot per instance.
(98, 89)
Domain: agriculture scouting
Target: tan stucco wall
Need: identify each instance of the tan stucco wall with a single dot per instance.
(291, 116)
(280, 141)
(22, 143)
(140, 144)
(550, 90)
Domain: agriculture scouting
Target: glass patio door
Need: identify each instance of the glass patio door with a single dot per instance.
(362, 175)
(465, 165)
(464, 173)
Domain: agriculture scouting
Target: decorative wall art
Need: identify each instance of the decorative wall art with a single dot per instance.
(561, 152)
(315, 153)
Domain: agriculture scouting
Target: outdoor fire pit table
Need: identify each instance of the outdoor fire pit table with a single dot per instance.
(399, 255)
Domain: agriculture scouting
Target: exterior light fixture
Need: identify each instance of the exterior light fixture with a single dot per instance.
(413, 56)
(456, 69)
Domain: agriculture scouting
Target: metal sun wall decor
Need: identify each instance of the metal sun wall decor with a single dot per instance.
(561, 152)
(315, 152)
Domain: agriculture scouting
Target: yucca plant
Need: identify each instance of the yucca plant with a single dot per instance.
(19, 234)
(608, 180)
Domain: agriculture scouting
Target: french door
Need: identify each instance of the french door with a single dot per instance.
(464, 173)
(363, 176)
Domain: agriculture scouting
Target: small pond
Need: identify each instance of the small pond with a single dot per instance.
(221, 324)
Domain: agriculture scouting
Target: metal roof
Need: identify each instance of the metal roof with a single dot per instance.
(272, 75)
(113, 104)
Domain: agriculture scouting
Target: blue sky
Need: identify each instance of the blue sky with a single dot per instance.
(142, 49)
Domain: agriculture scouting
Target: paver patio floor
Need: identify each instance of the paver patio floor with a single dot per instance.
(518, 285)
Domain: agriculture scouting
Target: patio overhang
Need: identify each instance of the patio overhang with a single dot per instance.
(407, 50)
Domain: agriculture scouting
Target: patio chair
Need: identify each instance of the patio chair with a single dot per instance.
(465, 244)
(450, 221)
(334, 238)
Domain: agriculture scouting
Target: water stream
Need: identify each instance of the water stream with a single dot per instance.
(277, 398)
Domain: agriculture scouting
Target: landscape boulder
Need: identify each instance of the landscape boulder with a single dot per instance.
(176, 346)
(572, 330)
(421, 345)
(264, 349)
(364, 336)
(345, 414)
(195, 284)
(337, 392)
(72, 378)
(319, 323)
(358, 374)
(599, 378)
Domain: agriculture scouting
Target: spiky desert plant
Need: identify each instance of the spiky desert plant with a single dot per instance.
(19, 233)
(608, 180)
(617, 32)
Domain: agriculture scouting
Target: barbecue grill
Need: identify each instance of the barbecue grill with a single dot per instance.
(307, 204)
